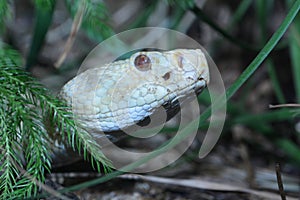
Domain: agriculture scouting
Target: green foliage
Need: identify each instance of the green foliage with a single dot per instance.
(294, 38)
(22, 132)
(44, 4)
(44, 12)
(93, 22)
(24, 141)
(94, 19)
(24, 144)
(258, 122)
(142, 19)
(263, 11)
(25, 150)
(4, 12)
(239, 13)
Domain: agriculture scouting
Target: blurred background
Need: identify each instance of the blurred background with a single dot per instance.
(255, 138)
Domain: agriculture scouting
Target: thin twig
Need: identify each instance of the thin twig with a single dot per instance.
(279, 181)
(285, 105)
(75, 28)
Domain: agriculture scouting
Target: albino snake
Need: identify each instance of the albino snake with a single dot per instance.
(122, 93)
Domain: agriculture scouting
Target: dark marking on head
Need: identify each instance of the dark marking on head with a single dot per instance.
(166, 76)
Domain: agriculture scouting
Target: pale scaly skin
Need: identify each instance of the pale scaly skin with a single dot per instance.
(117, 95)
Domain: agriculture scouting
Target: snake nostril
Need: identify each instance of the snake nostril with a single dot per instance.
(190, 78)
(166, 76)
(180, 60)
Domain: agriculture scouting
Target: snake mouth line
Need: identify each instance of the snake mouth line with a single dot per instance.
(195, 87)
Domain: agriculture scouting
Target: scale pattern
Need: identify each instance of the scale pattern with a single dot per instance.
(120, 94)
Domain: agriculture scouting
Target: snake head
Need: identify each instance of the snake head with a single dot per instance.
(123, 93)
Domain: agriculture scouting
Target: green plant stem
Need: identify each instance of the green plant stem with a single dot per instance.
(275, 82)
(200, 15)
(291, 149)
(143, 18)
(265, 51)
(263, 9)
(43, 21)
(239, 13)
(295, 55)
(178, 15)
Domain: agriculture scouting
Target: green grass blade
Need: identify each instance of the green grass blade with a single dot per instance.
(263, 9)
(275, 82)
(262, 12)
(295, 55)
(177, 17)
(265, 51)
(142, 19)
(43, 21)
(200, 15)
(4, 13)
(291, 149)
(239, 13)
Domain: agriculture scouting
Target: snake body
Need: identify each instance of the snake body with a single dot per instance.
(122, 93)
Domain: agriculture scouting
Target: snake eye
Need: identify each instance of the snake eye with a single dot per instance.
(142, 62)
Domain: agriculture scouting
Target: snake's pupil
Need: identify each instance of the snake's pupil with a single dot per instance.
(142, 62)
